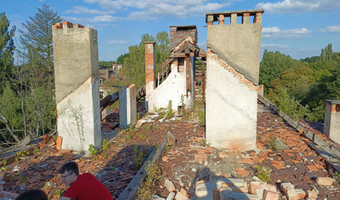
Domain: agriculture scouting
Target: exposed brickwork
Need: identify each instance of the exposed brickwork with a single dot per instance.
(149, 62)
(335, 108)
(245, 18)
(66, 24)
(258, 18)
(220, 17)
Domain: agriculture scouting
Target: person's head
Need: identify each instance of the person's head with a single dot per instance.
(69, 173)
(32, 195)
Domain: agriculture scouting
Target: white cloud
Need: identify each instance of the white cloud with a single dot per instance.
(85, 10)
(117, 42)
(275, 32)
(280, 46)
(273, 29)
(331, 29)
(151, 9)
(296, 6)
(102, 18)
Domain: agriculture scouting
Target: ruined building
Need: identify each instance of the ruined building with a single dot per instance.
(175, 83)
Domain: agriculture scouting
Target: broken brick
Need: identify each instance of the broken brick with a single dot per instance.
(169, 185)
(270, 195)
(325, 181)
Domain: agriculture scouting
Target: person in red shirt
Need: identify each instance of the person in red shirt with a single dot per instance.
(83, 186)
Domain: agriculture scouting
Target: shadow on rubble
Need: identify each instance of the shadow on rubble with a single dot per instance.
(210, 186)
(21, 175)
(115, 175)
(121, 169)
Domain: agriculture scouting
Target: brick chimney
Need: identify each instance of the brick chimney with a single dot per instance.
(150, 78)
(179, 33)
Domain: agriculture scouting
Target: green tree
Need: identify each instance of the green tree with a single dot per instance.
(6, 50)
(297, 81)
(121, 58)
(31, 93)
(289, 104)
(11, 119)
(272, 66)
(327, 53)
(133, 69)
(36, 41)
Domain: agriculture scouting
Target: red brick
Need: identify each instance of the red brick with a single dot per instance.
(59, 142)
(312, 168)
(242, 171)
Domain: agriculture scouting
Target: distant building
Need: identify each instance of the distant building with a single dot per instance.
(107, 74)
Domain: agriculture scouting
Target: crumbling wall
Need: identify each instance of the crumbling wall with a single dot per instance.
(75, 50)
(177, 86)
(233, 58)
(172, 89)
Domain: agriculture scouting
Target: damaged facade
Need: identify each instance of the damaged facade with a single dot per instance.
(75, 49)
(175, 83)
(233, 58)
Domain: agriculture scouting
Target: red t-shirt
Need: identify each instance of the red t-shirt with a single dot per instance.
(87, 187)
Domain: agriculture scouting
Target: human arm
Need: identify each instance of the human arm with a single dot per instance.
(65, 198)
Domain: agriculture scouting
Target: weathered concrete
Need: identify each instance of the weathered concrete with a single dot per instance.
(238, 44)
(75, 51)
(332, 120)
(127, 105)
(233, 58)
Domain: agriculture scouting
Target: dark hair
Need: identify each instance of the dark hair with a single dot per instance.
(70, 167)
(33, 195)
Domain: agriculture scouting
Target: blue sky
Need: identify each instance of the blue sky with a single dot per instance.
(299, 28)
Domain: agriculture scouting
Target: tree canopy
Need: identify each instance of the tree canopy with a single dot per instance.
(300, 87)
(133, 69)
(6, 50)
(27, 105)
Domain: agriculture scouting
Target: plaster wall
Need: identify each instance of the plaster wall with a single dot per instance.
(239, 45)
(77, 117)
(231, 107)
(172, 88)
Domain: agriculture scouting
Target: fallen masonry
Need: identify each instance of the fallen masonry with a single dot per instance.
(189, 164)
